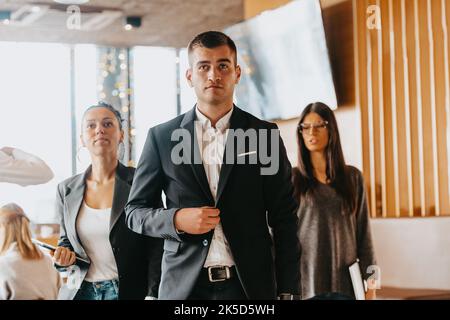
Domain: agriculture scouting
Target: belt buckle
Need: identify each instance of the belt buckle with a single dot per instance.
(210, 276)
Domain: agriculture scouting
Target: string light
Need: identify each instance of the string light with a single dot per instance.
(113, 87)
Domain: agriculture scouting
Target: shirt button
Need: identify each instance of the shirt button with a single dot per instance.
(205, 242)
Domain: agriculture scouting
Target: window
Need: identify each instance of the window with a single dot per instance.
(35, 117)
(155, 90)
(44, 90)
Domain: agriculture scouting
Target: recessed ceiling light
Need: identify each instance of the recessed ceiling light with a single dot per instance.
(72, 1)
(128, 27)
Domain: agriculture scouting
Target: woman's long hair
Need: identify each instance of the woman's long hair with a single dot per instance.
(337, 172)
(16, 227)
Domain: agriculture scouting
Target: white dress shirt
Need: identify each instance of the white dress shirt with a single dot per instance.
(211, 143)
(23, 168)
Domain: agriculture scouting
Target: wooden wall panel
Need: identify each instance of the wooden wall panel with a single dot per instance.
(403, 90)
(439, 40)
(396, 103)
(386, 125)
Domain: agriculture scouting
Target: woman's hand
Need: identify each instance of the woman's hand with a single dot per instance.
(63, 257)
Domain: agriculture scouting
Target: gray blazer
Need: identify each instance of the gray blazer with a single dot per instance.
(138, 258)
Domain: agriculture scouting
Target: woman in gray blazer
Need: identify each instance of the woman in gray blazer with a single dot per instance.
(119, 264)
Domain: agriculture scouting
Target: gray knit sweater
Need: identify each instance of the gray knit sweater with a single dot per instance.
(25, 279)
(332, 239)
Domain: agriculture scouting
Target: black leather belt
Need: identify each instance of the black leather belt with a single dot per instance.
(219, 273)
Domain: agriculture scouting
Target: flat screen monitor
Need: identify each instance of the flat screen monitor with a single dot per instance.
(284, 59)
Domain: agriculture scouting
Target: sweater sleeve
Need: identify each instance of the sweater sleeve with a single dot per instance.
(366, 253)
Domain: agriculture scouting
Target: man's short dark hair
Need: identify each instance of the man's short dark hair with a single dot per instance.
(212, 39)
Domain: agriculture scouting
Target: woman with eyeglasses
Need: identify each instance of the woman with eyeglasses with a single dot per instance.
(334, 228)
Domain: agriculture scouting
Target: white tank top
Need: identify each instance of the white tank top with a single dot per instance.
(93, 231)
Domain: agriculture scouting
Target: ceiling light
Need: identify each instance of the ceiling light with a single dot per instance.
(102, 20)
(132, 22)
(72, 1)
(27, 15)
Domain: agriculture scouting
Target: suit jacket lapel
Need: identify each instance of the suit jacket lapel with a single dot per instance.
(120, 197)
(237, 121)
(188, 123)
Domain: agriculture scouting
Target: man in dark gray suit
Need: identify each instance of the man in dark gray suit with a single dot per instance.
(222, 195)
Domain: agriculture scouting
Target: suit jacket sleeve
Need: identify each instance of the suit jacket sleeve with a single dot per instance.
(63, 239)
(144, 212)
(59, 209)
(282, 218)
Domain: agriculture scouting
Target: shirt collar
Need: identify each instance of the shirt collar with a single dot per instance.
(221, 125)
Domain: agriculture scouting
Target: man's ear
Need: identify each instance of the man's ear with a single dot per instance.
(189, 77)
(238, 73)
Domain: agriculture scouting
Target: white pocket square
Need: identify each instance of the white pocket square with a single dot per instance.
(246, 153)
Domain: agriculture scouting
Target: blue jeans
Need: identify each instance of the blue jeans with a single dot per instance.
(102, 290)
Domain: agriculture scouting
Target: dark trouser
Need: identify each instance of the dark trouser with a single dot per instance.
(229, 289)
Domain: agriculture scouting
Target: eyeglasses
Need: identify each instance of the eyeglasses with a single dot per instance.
(306, 127)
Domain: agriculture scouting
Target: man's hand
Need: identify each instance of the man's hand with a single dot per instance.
(197, 220)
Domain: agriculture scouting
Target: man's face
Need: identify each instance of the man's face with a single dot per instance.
(213, 74)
